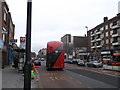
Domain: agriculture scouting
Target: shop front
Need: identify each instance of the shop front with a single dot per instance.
(97, 55)
(116, 57)
(83, 56)
(106, 57)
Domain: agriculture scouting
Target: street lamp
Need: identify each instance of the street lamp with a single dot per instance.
(86, 27)
(87, 42)
(27, 68)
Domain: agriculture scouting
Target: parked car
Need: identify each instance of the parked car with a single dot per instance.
(81, 63)
(94, 64)
(68, 61)
(42, 59)
(75, 61)
(37, 62)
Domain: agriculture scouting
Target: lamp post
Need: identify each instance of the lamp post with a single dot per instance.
(27, 68)
(86, 27)
(87, 42)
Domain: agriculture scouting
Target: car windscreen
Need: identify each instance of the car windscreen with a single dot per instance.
(81, 61)
(36, 60)
(95, 61)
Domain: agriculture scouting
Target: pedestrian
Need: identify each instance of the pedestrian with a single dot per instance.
(32, 71)
(16, 61)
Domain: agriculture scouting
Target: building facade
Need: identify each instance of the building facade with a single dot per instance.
(74, 45)
(11, 39)
(42, 53)
(104, 39)
(6, 32)
(66, 39)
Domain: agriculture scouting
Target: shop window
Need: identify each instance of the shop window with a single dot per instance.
(116, 58)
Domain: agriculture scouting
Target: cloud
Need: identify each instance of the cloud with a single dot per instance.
(52, 19)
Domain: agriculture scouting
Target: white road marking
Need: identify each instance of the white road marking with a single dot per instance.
(51, 78)
(56, 78)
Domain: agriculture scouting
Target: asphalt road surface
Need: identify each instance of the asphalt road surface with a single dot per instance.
(73, 76)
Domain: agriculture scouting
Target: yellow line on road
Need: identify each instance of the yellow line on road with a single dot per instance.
(39, 84)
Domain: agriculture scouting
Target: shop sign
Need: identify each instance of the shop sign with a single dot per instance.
(82, 53)
(13, 40)
(22, 39)
(106, 58)
(106, 52)
(97, 52)
(116, 53)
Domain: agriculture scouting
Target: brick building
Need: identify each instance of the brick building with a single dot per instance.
(11, 39)
(104, 39)
(6, 31)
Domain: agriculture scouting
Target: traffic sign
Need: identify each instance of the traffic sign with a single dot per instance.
(22, 39)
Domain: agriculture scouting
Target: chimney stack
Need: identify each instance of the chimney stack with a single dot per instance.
(105, 19)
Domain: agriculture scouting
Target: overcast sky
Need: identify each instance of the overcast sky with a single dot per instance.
(52, 19)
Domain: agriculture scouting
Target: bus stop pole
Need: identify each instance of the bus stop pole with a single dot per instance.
(27, 68)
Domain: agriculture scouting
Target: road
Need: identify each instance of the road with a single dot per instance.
(73, 76)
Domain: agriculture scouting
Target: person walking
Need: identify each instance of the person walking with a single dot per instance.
(32, 70)
(16, 61)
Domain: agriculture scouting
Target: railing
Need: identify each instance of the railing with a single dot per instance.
(117, 48)
(116, 41)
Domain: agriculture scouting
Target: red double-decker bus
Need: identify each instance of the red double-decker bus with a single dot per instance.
(55, 55)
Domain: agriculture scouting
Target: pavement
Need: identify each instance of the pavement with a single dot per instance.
(11, 78)
(112, 68)
(0, 79)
